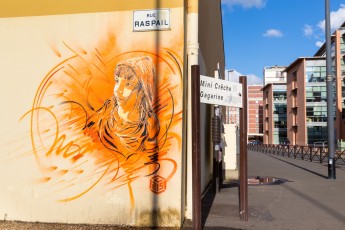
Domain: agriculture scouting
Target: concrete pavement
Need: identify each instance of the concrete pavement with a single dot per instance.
(304, 198)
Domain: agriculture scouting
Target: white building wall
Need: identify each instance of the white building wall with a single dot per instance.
(230, 150)
(274, 74)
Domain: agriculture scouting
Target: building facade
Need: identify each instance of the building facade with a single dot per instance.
(275, 116)
(96, 101)
(232, 115)
(274, 105)
(307, 101)
(255, 113)
(338, 70)
(274, 74)
(306, 97)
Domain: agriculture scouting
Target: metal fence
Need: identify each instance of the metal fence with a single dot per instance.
(310, 153)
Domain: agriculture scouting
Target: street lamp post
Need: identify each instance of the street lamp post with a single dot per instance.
(329, 85)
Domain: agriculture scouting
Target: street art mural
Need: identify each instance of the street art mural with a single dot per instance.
(117, 113)
(105, 115)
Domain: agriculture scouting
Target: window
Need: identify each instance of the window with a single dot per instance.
(279, 95)
(316, 94)
(317, 134)
(316, 113)
(315, 74)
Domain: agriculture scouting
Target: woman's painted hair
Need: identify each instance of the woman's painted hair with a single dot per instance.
(144, 69)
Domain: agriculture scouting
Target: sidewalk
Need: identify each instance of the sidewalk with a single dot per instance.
(305, 199)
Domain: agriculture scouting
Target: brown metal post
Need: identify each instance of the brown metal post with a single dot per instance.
(196, 162)
(243, 153)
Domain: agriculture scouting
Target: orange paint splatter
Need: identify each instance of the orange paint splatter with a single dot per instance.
(44, 180)
(76, 135)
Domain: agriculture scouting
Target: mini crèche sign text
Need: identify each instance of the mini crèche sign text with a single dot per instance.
(146, 20)
(220, 92)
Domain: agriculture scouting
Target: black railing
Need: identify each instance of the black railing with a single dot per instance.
(308, 152)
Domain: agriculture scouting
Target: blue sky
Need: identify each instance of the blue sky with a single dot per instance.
(259, 33)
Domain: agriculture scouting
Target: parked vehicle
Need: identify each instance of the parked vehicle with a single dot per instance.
(255, 142)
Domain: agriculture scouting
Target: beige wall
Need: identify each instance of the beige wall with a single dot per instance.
(211, 52)
(22, 8)
(230, 150)
(79, 34)
(56, 72)
(211, 36)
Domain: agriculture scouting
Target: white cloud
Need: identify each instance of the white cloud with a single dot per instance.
(319, 43)
(245, 3)
(308, 30)
(273, 33)
(254, 80)
(234, 75)
(336, 19)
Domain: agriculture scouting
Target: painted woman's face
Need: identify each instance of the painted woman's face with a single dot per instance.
(125, 83)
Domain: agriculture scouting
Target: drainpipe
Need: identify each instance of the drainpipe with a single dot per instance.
(192, 59)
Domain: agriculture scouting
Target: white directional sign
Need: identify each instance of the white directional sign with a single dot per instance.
(220, 92)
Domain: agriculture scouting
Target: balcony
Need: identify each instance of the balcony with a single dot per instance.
(316, 119)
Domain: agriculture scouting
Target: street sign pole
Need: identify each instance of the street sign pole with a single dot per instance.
(243, 153)
(196, 162)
